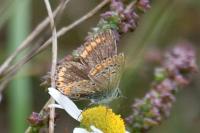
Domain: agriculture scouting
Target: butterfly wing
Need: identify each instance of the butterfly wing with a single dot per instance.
(72, 80)
(107, 74)
(116, 71)
(98, 48)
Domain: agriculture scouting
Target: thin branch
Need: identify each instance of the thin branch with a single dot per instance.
(14, 68)
(31, 37)
(54, 62)
(54, 43)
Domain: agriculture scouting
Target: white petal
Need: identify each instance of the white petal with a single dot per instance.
(68, 105)
(95, 130)
(80, 130)
(127, 132)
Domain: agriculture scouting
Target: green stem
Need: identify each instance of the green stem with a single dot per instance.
(19, 89)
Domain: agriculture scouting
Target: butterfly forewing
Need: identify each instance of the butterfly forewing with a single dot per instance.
(98, 48)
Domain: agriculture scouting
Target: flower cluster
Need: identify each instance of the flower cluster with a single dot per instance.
(120, 17)
(179, 63)
(38, 121)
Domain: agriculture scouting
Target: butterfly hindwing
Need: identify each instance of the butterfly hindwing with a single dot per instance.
(107, 74)
(68, 72)
(72, 80)
(82, 89)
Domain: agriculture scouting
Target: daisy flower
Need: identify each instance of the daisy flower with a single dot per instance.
(99, 119)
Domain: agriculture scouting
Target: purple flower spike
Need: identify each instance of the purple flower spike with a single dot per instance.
(179, 63)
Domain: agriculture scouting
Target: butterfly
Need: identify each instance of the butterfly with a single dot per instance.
(96, 72)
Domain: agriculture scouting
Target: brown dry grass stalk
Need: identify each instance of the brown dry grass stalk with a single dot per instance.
(54, 62)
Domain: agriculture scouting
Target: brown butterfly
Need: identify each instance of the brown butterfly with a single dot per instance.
(96, 74)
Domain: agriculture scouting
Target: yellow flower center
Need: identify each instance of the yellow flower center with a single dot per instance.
(104, 119)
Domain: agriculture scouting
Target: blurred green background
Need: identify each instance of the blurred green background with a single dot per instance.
(167, 22)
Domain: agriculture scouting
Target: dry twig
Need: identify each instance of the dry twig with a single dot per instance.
(54, 62)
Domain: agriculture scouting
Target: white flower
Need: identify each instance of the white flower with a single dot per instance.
(70, 107)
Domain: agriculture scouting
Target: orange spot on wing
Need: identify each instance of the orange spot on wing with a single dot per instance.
(88, 48)
(98, 40)
(60, 79)
(67, 91)
(63, 69)
(84, 54)
(60, 74)
(93, 44)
